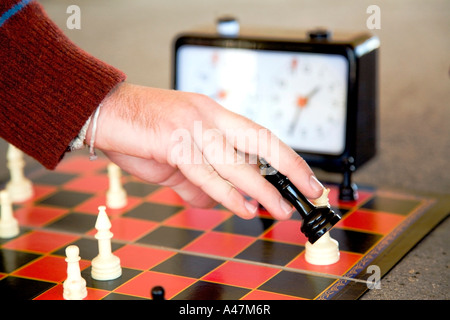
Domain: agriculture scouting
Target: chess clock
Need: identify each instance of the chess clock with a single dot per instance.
(316, 90)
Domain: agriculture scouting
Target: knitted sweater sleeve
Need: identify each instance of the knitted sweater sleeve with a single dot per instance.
(49, 87)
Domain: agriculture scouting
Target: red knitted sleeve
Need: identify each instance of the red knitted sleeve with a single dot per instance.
(48, 86)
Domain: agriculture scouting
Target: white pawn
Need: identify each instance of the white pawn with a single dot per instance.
(74, 286)
(19, 187)
(322, 201)
(324, 251)
(116, 196)
(105, 266)
(9, 226)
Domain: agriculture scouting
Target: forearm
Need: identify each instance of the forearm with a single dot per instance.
(48, 86)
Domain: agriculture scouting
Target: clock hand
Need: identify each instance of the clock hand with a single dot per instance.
(316, 220)
(313, 92)
(302, 101)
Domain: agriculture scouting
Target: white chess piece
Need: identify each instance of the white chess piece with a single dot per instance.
(74, 286)
(324, 251)
(116, 196)
(20, 188)
(105, 266)
(322, 201)
(9, 226)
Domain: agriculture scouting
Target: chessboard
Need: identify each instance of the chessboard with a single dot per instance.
(201, 254)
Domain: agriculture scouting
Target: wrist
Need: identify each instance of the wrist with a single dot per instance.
(93, 131)
(94, 138)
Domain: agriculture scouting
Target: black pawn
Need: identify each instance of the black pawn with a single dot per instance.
(348, 191)
(158, 293)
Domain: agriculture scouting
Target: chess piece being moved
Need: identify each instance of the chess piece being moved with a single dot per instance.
(74, 286)
(325, 250)
(105, 266)
(316, 220)
(116, 196)
(9, 226)
(20, 188)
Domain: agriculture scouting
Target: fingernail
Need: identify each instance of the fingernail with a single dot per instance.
(250, 207)
(315, 184)
(287, 207)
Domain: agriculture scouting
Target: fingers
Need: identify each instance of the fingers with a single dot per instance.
(203, 175)
(165, 175)
(257, 140)
(189, 192)
(242, 173)
(212, 163)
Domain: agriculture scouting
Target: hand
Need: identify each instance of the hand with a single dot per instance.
(190, 143)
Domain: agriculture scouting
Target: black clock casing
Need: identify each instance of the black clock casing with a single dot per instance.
(361, 51)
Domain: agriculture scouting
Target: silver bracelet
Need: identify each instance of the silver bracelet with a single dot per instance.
(92, 154)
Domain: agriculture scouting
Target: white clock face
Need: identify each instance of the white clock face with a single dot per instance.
(300, 97)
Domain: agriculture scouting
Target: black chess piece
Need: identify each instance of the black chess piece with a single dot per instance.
(158, 293)
(316, 220)
(348, 191)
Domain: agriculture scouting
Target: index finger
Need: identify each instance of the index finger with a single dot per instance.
(252, 138)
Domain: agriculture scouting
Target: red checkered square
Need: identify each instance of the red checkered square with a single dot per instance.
(129, 229)
(379, 222)
(346, 261)
(286, 231)
(91, 205)
(142, 258)
(202, 219)
(38, 216)
(142, 284)
(48, 268)
(241, 274)
(166, 195)
(220, 243)
(40, 241)
(88, 183)
(56, 293)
